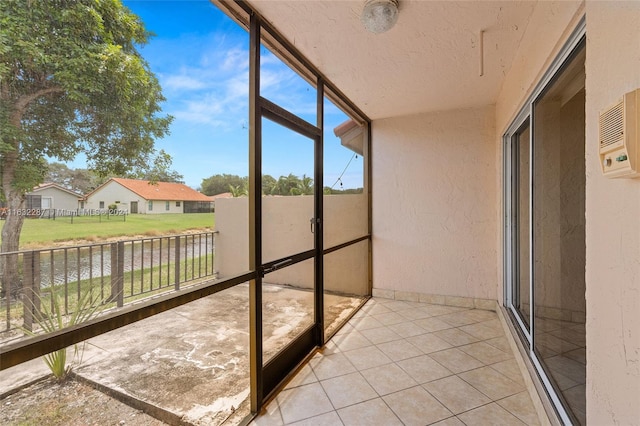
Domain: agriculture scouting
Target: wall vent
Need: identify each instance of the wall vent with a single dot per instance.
(618, 137)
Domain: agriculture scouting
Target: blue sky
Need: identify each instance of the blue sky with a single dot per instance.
(200, 57)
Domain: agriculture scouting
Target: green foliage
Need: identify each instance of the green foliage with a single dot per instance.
(73, 82)
(51, 319)
(219, 184)
(28, 171)
(304, 186)
(159, 170)
(239, 186)
(330, 191)
(284, 185)
(81, 181)
(268, 182)
(238, 191)
(292, 185)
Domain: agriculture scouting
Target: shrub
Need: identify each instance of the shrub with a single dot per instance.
(51, 319)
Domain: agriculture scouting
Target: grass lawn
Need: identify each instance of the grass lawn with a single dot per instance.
(47, 232)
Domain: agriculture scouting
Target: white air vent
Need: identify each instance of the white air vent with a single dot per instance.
(612, 126)
(618, 137)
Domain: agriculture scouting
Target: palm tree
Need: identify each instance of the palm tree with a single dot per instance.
(304, 186)
(238, 190)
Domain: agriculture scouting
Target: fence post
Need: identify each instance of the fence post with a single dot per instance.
(121, 274)
(176, 263)
(117, 273)
(214, 258)
(31, 296)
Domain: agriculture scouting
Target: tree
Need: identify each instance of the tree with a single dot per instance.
(218, 184)
(71, 81)
(159, 170)
(330, 191)
(268, 183)
(78, 180)
(285, 185)
(238, 191)
(304, 186)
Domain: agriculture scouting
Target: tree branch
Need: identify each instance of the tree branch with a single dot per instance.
(24, 100)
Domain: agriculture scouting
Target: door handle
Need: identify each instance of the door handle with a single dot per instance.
(313, 221)
(276, 266)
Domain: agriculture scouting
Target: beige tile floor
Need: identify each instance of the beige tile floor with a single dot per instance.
(408, 363)
(563, 347)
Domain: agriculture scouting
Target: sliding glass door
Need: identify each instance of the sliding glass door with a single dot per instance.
(291, 254)
(545, 232)
(520, 200)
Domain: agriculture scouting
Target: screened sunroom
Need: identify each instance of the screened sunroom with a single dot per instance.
(488, 252)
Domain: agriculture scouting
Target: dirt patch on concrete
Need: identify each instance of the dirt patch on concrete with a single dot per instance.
(70, 403)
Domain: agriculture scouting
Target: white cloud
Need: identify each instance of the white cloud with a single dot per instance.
(213, 87)
(181, 82)
(238, 87)
(207, 110)
(235, 59)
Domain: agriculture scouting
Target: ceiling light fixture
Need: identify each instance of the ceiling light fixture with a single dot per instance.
(379, 16)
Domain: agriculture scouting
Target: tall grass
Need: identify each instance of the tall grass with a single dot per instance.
(50, 318)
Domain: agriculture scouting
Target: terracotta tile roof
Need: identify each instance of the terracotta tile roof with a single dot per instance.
(218, 196)
(161, 190)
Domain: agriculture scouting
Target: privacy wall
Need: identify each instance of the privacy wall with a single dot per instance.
(435, 204)
(286, 231)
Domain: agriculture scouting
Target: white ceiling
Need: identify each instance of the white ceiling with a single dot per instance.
(429, 61)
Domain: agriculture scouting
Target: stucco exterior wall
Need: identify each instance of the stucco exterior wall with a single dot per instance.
(612, 205)
(232, 240)
(160, 206)
(549, 26)
(60, 200)
(434, 204)
(112, 192)
(613, 225)
(286, 231)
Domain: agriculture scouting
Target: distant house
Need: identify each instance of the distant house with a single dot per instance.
(51, 196)
(143, 196)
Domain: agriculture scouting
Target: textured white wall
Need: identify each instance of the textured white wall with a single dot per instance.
(112, 192)
(160, 206)
(286, 231)
(612, 205)
(435, 202)
(613, 225)
(59, 199)
(548, 29)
